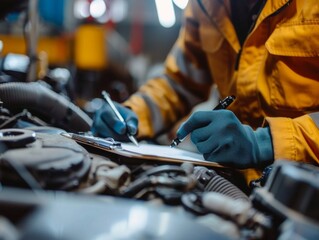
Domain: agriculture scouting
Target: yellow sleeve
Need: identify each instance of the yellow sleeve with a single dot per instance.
(185, 82)
(295, 139)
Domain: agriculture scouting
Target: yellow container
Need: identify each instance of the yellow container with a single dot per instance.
(57, 48)
(90, 51)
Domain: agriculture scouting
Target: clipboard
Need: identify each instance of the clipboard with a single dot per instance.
(144, 152)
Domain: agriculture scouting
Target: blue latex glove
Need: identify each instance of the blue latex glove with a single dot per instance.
(107, 124)
(221, 138)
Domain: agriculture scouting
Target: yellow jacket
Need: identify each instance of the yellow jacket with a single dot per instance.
(275, 75)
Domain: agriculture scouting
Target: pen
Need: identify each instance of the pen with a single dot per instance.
(117, 113)
(223, 104)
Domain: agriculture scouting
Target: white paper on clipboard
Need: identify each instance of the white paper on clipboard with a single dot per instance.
(163, 152)
(144, 152)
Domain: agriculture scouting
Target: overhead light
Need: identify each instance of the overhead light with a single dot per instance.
(81, 9)
(119, 10)
(97, 8)
(165, 13)
(181, 3)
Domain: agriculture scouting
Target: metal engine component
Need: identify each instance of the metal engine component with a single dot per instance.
(50, 162)
(291, 196)
(40, 100)
(14, 137)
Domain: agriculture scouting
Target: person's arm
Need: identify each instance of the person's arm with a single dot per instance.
(296, 139)
(185, 82)
(293, 139)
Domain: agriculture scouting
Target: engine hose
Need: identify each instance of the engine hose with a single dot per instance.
(210, 181)
(37, 98)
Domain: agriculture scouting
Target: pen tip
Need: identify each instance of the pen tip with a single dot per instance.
(64, 134)
(175, 142)
(133, 140)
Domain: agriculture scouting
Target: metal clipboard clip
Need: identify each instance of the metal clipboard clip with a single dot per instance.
(105, 143)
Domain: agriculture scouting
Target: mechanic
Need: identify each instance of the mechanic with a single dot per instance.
(264, 52)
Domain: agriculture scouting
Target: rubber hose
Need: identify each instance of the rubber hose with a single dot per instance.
(40, 99)
(212, 182)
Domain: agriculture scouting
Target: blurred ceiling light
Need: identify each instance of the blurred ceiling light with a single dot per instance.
(165, 13)
(119, 10)
(81, 9)
(181, 3)
(97, 8)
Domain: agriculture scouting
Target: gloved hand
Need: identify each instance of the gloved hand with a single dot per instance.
(221, 138)
(107, 124)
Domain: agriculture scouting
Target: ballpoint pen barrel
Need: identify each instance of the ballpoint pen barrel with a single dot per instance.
(118, 115)
(223, 104)
(114, 109)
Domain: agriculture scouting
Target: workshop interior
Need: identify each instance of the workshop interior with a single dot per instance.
(57, 57)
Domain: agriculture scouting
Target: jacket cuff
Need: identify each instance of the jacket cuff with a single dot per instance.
(282, 132)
